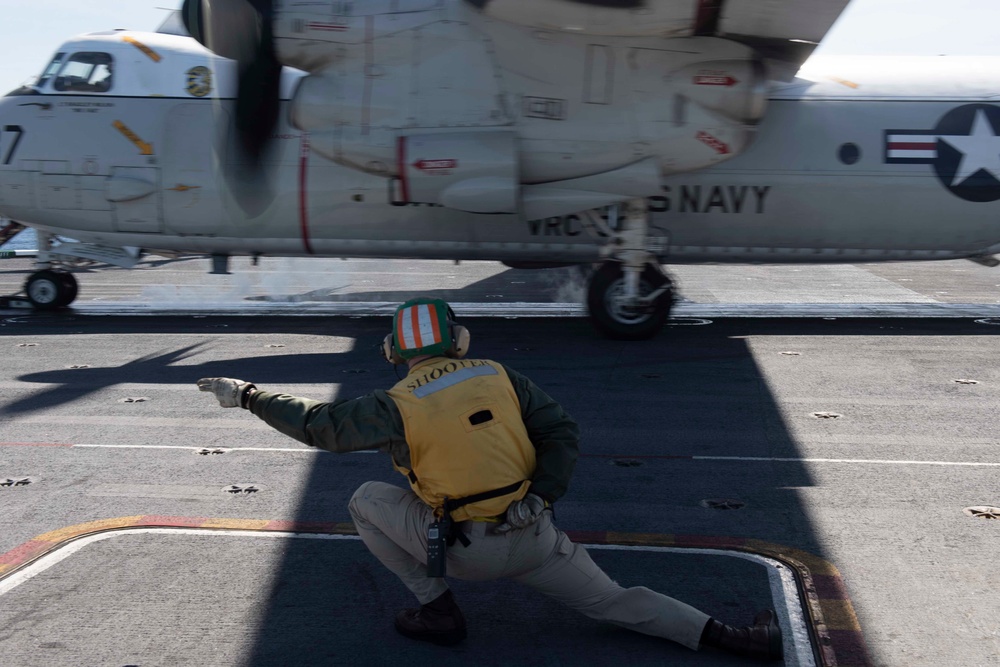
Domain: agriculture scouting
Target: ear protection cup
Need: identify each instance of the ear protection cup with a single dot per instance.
(389, 351)
(460, 347)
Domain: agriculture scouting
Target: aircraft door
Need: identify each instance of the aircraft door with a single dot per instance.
(191, 197)
(135, 196)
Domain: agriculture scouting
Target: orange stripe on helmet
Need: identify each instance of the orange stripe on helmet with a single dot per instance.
(434, 324)
(418, 340)
(400, 338)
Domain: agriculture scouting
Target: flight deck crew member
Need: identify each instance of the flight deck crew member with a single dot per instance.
(486, 453)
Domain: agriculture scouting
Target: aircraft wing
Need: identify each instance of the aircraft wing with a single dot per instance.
(806, 20)
(784, 31)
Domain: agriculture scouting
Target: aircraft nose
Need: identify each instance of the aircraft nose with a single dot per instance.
(11, 136)
(4, 122)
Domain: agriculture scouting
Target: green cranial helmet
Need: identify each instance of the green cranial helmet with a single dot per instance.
(425, 327)
(422, 326)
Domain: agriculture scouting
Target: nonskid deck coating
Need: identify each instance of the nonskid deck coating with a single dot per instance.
(814, 609)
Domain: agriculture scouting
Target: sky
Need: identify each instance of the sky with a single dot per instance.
(31, 31)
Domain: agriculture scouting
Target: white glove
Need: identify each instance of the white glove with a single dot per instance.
(229, 392)
(523, 513)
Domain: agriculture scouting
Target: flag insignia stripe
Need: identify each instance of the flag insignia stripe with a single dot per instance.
(911, 147)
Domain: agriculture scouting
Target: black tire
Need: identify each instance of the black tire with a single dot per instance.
(47, 290)
(71, 285)
(617, 324)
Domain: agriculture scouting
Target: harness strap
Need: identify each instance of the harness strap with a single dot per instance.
(457, 535)
(452, 504)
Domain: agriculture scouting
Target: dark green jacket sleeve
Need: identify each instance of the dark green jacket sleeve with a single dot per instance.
(374, 422)
(554, 433)
(369, 422)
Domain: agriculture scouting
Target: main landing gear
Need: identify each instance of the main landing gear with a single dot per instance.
(618, 315)
(629, 296)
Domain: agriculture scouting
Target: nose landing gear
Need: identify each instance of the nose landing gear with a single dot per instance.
(48, 289)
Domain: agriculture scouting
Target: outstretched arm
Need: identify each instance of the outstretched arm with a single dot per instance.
(367, 422)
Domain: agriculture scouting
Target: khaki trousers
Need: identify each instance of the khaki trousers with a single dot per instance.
(393, 522)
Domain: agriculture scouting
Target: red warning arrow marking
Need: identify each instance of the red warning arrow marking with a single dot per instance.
(720, 147)
(714, 80)
(434, 165)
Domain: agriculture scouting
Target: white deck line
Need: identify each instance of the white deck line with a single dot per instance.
(758, 459)
(681, 311)
(981, 464)
(784, 593)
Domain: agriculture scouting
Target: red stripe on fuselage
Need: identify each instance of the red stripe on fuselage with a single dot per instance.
(404, 188)
(706, 18)
(303, 193)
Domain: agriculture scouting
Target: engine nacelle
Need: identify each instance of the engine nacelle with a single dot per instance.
(735, 89)
(468, 171)
(500, 114)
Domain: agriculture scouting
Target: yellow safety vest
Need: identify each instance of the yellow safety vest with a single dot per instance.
(463, 425)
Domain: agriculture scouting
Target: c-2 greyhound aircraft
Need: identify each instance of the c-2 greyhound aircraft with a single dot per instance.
(629, 133)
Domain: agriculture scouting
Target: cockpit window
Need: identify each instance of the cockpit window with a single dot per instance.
(50, 69)
(86, 72)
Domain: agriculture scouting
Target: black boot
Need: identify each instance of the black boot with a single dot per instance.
(440, 621)
(760, 640)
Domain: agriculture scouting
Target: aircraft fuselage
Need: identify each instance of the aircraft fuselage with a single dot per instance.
(891, 164)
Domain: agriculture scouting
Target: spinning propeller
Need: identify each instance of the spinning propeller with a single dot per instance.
(241, 30)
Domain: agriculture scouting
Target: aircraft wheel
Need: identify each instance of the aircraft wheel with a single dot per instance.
(616, 320)
(48, 290)
(71, 285)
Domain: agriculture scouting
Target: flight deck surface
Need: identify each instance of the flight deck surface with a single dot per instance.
(849, 447)
(323, 286)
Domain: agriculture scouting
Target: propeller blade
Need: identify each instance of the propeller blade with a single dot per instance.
(241, 30)
(258, 98)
